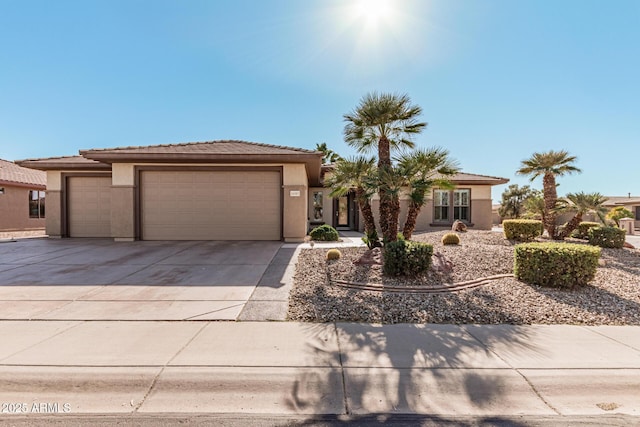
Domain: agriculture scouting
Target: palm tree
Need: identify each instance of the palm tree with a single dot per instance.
(356, 173)
(328, 155)
(422, 170)
(549, 165)
(383, 122)
(582, 203)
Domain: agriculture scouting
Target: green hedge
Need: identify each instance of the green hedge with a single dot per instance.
(582, 232)
(607, 237)
(407, 258)
(522, 230)
(324, 232)
(555, 264)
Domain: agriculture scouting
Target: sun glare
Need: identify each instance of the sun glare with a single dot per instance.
(372, 12)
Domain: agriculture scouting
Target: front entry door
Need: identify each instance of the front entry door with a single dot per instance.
(342, 212)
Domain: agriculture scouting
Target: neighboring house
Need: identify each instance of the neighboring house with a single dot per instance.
(629, 202)
(219, 190)
(469, 202)
(22, 198)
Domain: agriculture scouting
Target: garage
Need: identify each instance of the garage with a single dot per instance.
(89, 206)
(210, 204)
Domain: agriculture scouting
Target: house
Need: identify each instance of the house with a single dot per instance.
(22, 198)
(469, 202)
(218, 190)
(628, 202)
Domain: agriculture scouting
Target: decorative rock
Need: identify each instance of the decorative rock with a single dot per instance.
(370, 257)
(458, 226)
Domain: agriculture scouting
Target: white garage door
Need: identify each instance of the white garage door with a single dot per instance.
(89, 206)
(210, 205)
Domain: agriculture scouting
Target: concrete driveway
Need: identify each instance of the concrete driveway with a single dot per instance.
(98, 279)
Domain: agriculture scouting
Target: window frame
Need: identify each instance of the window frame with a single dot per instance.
(38, 202)
(452, 209)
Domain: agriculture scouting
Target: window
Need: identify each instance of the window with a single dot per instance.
(461, 205)
(317, 205)
(36, 204)
(459, 200)
(1, 190)
(441, 204)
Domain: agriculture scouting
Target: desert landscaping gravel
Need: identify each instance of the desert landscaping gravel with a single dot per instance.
(612, 298)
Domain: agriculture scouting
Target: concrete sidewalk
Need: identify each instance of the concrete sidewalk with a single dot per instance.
(286, 368)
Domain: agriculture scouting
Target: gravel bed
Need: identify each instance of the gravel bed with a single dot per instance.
(612, 298)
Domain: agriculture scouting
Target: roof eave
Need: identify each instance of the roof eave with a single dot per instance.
(8, 183)
(480, 182)
(45, 165)
(312, 161)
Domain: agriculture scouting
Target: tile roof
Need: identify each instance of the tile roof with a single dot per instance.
(470, 177)
(622, 200)
(70, 162)
(207, 147)
(11, 172)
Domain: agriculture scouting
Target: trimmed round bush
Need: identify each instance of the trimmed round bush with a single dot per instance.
(324, 233)
(333, 254)
(582, 232)
(562, 265)
(450, 239)
(523, 230)
(406, 258)
(607, 237)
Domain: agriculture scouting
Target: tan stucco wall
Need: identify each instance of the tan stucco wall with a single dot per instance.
(123, 225)
(481, 215)
(14, 210)
(53, 214)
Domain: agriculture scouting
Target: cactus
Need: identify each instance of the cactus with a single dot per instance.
(333, 254)
(450, 239)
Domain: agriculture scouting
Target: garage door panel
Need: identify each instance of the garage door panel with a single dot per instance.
(89, 206)
(211, 205)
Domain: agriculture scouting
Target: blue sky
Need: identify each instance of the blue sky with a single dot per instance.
(497, 79)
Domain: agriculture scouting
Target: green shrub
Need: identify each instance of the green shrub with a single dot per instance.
(607, 237)
(451, 239)
(407, 258)
(522, 230)
(333, 254)
(324, 232)
(555, 264)
(582, 232)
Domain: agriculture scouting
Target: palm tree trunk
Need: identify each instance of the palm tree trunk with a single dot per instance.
(571, 225)
(394, 213)
(367, 213)
(550, 201)
(389, 232)
(410, 223)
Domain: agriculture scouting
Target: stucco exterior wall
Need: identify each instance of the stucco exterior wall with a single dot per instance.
(481, 214)
(14, 210)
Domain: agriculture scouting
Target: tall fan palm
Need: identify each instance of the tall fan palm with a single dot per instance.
(549, 165)
(328, 155)
(582, 203)
(383, 122)
(423, 170)
(356, 173)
